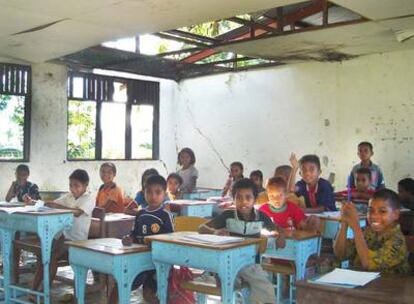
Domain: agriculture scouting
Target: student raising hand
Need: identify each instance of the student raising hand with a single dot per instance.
(349, 214)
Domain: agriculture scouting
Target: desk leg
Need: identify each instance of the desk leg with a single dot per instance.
(46, 243)
(124, 288)
(227, 277)
(6, 242)
(80, 282)
(163, 271)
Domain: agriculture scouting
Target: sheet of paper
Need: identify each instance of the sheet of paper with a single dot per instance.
(347, 277)
(25, 209)
(116, 244)
(212, 239)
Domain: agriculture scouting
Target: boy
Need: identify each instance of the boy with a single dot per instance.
(381, 246)
(365, 152)
(246, 221)
(406, 192)
(257, 178)
(236, 173)
(284, 213)
(110, 196)
(174, 182)
(318, 192)
(81, 203)
(140, 197)
(21, 188)
(149, 221)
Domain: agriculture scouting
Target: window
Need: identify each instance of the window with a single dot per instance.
(112, 118)
(15, 89)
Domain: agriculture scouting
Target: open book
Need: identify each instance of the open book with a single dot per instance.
(346, 278)
(211, 239)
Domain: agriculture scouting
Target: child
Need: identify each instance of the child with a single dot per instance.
(365, 152)
(406, 192)
(110, 196)
(284, 213)
(174, 182)
(189, 174)
(154, 219)
(81, 203)
(257, 178)
(246, 221)
(236, 174)
(21, 188)
(140, 197)
(381, 246)
(318, 192)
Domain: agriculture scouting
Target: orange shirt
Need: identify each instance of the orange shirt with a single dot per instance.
(110, 193)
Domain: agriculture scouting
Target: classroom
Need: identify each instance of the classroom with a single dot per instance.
(207, 151)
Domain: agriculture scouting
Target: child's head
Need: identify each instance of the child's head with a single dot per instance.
(78, 182)
(236, 170)
(186, 158)
(257, 178)
(365, 151)
(406, 190)
(310, 168)
(155, 187)
(363, 179)
(22, 174)
(174, 182)
(283, 171)
(147, 173)
(107, 172)
(383, 210)
(276, 191)
(244, 195)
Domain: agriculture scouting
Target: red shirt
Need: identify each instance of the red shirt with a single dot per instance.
(281, 218)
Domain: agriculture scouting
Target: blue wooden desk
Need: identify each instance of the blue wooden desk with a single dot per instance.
(332, 223)
(108, 256)
(225, 260)
(194, 208)
(202, 194)
(46, 224)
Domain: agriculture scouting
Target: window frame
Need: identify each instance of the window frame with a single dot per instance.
(99, 93)
(13, 86)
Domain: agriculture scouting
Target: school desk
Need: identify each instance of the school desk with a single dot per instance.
(46, 224)
(386, 289)
(108, 256)
(115, 225)
(193, 207)
(202, 194)
(225, 260)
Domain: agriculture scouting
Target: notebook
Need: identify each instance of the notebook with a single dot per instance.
(212, 239)
(346, 278)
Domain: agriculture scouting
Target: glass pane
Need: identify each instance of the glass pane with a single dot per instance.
(11, 127)
(77, 87)
(81, 129)
(120, 92)
(113, 130)
(142, 117)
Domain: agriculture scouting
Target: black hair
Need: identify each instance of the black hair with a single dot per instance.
(257, 173)
(23, 168)
(277, 181)
(364, 171)
(147, 173)
(245, 183)
(389, 196)
(189, 152)
(286, 169)
(175, 176)
(366, 143)
(311, 158)
(156, 180)
(81, 176)
(237, 164)
(407, 184)
(109, 165)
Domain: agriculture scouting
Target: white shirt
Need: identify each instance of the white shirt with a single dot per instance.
(81, 224)
(187, 175)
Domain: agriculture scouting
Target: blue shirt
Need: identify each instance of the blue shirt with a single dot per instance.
(377, 178)
(324, 194)
(150, 222)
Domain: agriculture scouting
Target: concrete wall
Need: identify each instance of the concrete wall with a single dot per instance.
(48, 165)
(260, 117)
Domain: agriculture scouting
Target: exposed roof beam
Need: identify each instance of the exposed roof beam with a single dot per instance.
(180, 39)
(252, 24)
(190, 35)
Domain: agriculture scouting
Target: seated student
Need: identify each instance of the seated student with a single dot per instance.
(361, 193)
(110, 196)
(318, 192)
(406, 192)
(286, 214)
(188, 172)
(174, 182)
(153, 219)
(257, 178)
(246, 221)
(81, 203)
(21, 188)
(381, 246)
(140, 197)
(236, 174)
(365, 152)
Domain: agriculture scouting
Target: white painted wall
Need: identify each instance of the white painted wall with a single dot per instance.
(260, 117)
(48, 165)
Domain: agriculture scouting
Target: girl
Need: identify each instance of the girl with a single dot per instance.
(236, 174)
(174, 183)
(189, 174)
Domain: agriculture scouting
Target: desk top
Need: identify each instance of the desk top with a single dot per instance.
(31, 212)
(191, 202)
(300, 235)
(332, 215)
(118, 217)
(388, 289)
(176, 238)
(109, 246)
